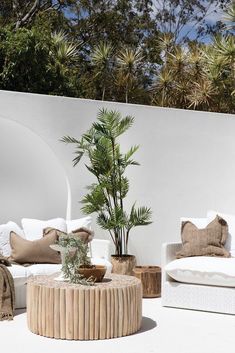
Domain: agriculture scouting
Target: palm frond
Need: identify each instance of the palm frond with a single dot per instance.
(94, 201)
(69, 139)
(101, 54)
(229, 16)
(79, 153)
(140, 216)
(124, 125)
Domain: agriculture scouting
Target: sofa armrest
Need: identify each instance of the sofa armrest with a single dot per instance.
(100, 248)
(168, 254)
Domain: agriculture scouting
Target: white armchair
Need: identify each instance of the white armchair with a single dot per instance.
(194, 296)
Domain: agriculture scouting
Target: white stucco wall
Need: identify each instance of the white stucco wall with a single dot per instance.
(187, 161)
(27, 176)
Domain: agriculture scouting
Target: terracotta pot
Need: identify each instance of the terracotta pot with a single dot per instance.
(123, 265)
(97, 272)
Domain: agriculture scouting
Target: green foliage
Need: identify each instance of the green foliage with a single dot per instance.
(76, 256)
(197, 76)
(108, 164)
(135, 51)
(32, 62)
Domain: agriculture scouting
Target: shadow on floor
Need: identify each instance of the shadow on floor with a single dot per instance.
(146, 325)
(19, 311)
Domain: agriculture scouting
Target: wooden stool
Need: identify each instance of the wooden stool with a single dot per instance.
(150, 277)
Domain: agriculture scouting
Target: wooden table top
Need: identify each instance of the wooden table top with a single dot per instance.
(109, 281)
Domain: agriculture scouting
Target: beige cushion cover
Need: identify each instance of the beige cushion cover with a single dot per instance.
(36, 251)
(83, 233)
(208, 241)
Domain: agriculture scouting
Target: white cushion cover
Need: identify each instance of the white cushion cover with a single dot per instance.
(78, 223)
(198, 222)
(44, 269)
(33, 228)
(215, 271)
(5, 229)
(19, 274)
(230, 219)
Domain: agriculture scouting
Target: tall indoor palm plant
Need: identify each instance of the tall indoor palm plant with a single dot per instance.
(108, 164)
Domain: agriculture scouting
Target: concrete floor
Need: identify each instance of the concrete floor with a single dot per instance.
(164, 330)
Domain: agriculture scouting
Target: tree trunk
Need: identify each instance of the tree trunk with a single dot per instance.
(150, 277)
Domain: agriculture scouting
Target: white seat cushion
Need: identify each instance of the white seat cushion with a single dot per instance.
(214, 271)
(44, 269)
(19, 274)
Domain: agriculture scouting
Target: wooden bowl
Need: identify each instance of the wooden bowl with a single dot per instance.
(97, 272)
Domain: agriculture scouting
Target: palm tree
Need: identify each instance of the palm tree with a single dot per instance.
(178, 61)
(201, 96)
(64, 52)
(229, 17)
(166, 45)
(128, 61)
(101, 60)
(163, 88)
(100, 144)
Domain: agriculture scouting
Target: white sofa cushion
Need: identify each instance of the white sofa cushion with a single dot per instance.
(214, 271)
(78, 223)
(230, 219)
(33, 228)
(44, 269)
(5, 229)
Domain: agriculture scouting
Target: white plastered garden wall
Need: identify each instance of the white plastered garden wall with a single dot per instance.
(187, 163)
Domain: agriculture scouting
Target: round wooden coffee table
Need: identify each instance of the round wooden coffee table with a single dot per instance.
(112, 308)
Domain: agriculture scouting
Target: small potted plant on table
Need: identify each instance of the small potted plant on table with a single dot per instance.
(107, 195)
(76, 262)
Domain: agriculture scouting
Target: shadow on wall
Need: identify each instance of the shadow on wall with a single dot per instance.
(32, 182)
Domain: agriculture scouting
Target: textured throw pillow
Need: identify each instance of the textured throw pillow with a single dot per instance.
(85, 234)
(230, 219)
(36, 251)
(208, 241)
(33, 228)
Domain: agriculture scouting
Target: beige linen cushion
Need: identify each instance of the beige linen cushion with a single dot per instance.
(36, 251)
(83, 233)
(208, 241)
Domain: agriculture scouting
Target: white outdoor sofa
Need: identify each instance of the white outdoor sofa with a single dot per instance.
(100, 255)
(204, 297)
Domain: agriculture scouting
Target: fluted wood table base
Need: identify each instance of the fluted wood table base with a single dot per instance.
(109, 309)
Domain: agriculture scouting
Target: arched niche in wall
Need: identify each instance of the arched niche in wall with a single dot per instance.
(32, 182)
